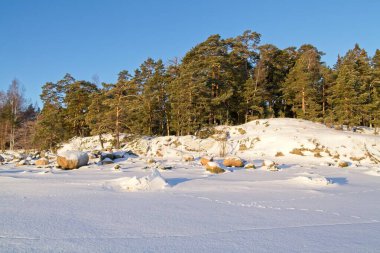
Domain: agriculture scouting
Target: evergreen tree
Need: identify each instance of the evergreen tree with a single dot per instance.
(77, 101)
(151, 82)
(374, 106)
(343, 95)
(302, 86)
(95, 117)
(117, 98)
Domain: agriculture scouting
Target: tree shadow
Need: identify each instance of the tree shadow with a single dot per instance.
(338, 180)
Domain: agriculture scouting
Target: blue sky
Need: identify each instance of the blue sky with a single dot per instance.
(40, 40)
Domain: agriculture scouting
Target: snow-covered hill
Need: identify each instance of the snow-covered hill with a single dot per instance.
(163, 201)
(270, 139)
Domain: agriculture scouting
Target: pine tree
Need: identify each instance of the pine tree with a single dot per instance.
(117, 98)
(302, 86)
(374, 106)
(151, 80)
(343, 96)
(351, 94)
(51, 127)
(77, 100)
(95, 118)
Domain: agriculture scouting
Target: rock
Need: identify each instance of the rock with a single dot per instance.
(117, 167)
(273, 167)
(233, 161)
(92, 156)
(270, 165)
(42, 162)
(250, 166)
(69, 160)
(188, 158)
(107, 161)
(161, 167)
(150, 161)
(343, 164)
(2, 159)
(131, 153)
(103, 156)
(20, 157)
(119, 154)
(214, 168)
(206, 159)
(22, 162)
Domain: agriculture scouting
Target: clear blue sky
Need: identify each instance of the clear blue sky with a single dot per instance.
(40, 40)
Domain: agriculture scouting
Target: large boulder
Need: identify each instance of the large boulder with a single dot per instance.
(42, 162)
(233, 161)
(69, 160)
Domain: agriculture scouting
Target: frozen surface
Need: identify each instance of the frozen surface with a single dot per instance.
(309, 205)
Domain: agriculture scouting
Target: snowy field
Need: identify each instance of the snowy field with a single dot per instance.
(310, 204)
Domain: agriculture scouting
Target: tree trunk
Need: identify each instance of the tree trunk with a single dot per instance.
(303, 100)
(117, 127)
(101, 141)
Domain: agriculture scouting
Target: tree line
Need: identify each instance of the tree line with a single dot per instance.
(219, 81)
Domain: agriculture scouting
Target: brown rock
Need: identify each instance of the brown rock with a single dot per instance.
(343, 164)
(233, 161)
(72, 160)
(214, 168)
(42, 162)
(250, 166)
(204, 160)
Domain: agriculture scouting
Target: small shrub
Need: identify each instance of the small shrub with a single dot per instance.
(242, 147)
(242, 131)
(297, 151)
(279, 154)
(357, 159)
(158, 153)
(205, 133)
(176, 143)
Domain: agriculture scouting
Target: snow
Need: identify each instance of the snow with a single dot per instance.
(309, 205)
(152, 182)
(312, 180)
(213, 164)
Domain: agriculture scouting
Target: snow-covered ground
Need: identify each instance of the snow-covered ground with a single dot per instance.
(309, 205)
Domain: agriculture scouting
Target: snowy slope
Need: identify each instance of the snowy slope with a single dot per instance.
(260, 139)
(306, 206)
